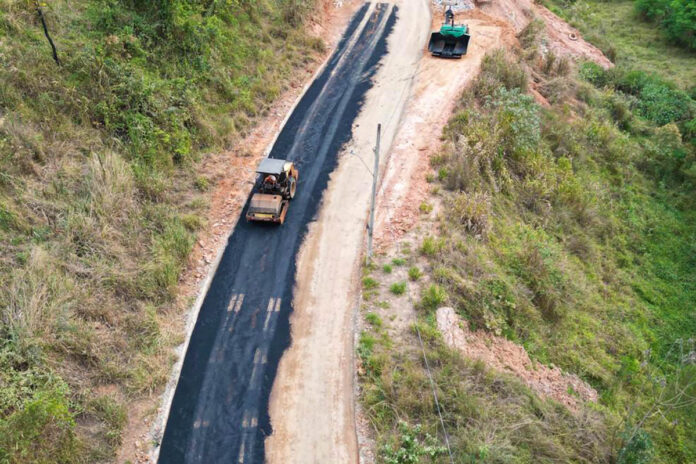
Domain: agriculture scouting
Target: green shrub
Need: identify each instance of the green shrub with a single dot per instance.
(431, 246)
(398, 261)
(676, 19)
(594, 74)
(369, 283)
(499, 69)
(433, 297)
(373, 319)
(387, 269)
(398, 288)
(414, 273)
(638, 450)
(409, 449)
(42, 430)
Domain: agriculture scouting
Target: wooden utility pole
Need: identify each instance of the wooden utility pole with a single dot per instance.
(375, 176)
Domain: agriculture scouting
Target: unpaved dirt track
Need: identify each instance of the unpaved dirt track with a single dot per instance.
(312, 401)
(219, 411)
(436, 91)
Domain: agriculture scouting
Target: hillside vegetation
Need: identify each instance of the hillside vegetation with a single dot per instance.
(569, 230)
(99, 200)
(629, 40)
(676, 18)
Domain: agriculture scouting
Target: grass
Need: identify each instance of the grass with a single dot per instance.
(369, 283)
(398, 288)
(414, 273)
(568, 230)
(619, 31)
(101, 196)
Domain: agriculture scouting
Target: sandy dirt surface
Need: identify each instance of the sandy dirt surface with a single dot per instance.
(312, 402)
(561, 38)
(503, 355)
(226, 200)
(436, 92)
(436, 89)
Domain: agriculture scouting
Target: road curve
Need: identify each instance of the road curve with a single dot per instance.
(219, 412)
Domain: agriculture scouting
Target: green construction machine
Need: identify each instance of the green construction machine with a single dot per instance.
(452, 40)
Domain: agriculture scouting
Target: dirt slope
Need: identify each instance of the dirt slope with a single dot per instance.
(561, 38)
(436, 91)
(506, 356)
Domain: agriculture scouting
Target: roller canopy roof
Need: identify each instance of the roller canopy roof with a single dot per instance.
(272, 166)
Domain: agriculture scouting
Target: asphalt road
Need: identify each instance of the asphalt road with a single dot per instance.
(220, 408)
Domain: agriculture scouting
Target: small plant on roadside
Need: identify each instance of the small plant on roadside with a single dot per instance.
(398, 261)
(433, 297)
(398, 288)
(431, 246)
(369, 283)
(387, 268)
(425, 208)
(414, 273)
(373, 319)
(202, 183)
(410, 448)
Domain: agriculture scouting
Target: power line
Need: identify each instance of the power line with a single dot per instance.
(432, 385)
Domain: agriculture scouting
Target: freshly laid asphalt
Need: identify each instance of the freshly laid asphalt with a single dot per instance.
(219, 413)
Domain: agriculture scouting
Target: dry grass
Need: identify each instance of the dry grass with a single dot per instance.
(99, 201)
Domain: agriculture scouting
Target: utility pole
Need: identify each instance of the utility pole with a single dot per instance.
(375, 176)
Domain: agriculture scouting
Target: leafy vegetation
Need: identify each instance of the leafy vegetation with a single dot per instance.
(568, 230)
(398, 288)
(100, 199)
(676, 18)
(620, 31)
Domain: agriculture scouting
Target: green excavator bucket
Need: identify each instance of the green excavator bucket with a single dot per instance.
(448, 46)
(452, 40)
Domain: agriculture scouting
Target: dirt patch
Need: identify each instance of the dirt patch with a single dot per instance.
(231, 174)
(437, 88)
(503, 355)
(560, 37)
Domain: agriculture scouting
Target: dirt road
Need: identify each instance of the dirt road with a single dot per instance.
(312, 402)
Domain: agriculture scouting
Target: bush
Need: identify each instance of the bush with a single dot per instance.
(414, 273)
(433, 297)
(431, 246)
(638, 450)
(41, 431)
(471, 211)
(398, 288)
(410, 450)
(657, 100)
(594, 74)
(677, 19)
(499, 69)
